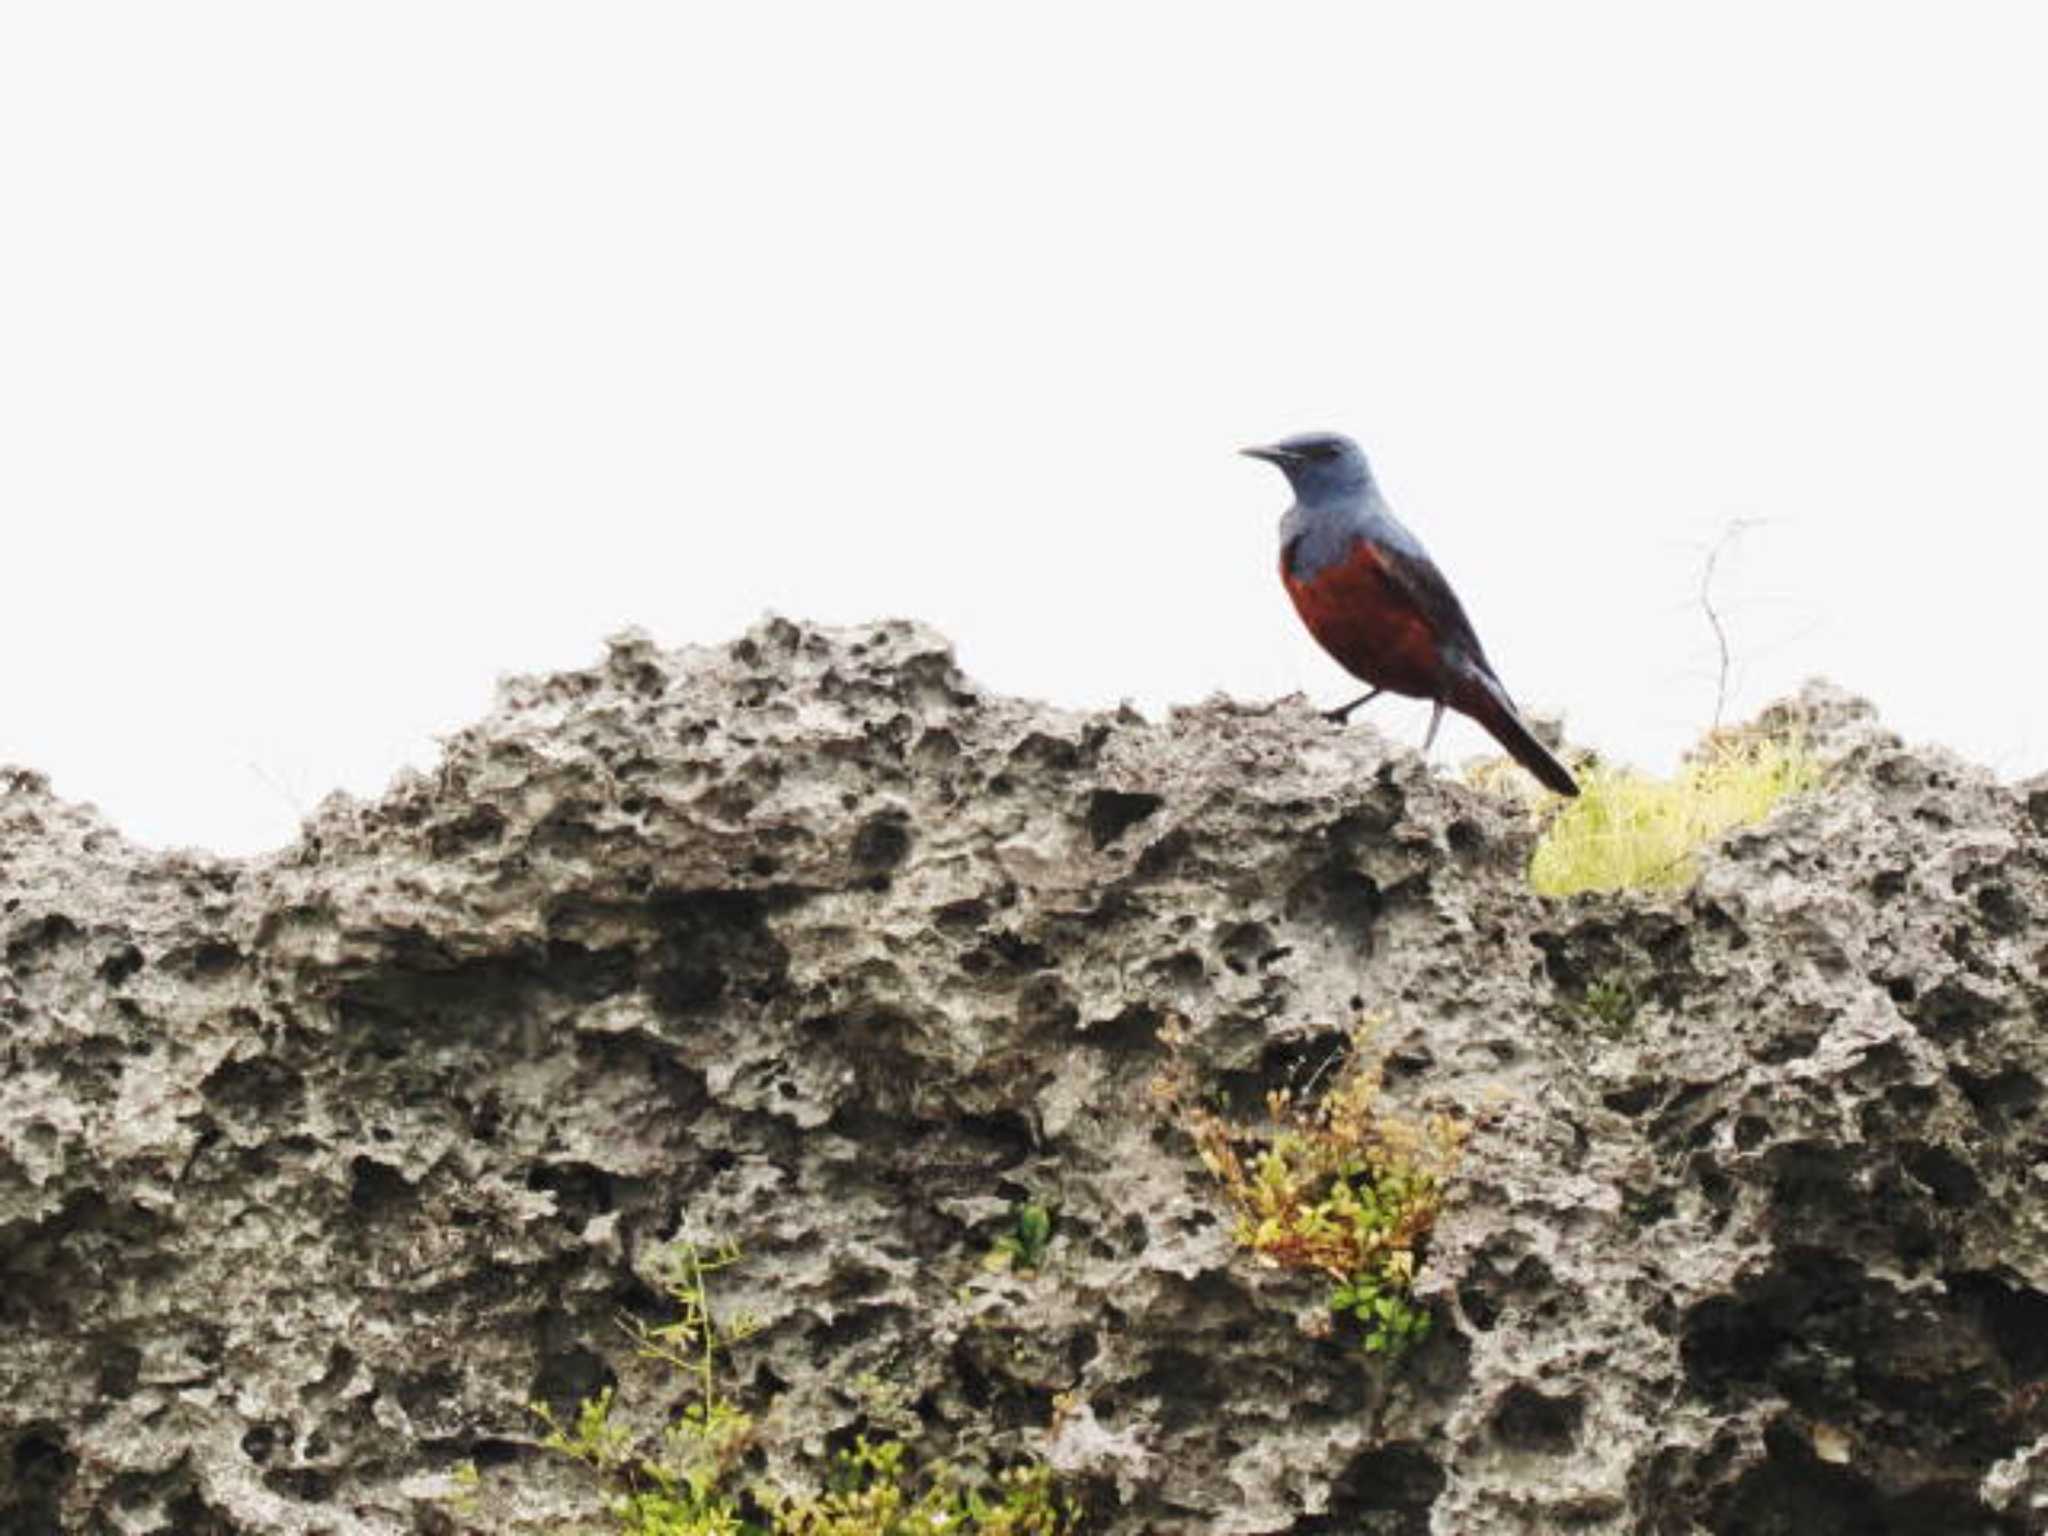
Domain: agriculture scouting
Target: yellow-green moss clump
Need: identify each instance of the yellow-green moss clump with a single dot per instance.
(1628, 831)
(1337, 1185)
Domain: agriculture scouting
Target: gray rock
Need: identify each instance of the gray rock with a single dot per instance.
(315, 1169)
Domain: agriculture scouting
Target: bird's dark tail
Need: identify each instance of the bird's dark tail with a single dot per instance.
(1487, 702)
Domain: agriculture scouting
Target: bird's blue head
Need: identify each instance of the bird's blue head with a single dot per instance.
(1319, 465)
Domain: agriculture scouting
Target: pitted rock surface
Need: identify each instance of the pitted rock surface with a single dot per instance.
(316, 1169)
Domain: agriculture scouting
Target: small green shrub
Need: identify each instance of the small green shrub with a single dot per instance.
(687, 1484)
(873, 1493)
(1610, 1005)
(681, 1488)
(1024, 1245)
(1340, 1187)
(1628, 831)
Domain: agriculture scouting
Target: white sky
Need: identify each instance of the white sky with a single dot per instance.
(351, 356)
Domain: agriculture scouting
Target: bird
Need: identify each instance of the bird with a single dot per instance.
(1372, 597)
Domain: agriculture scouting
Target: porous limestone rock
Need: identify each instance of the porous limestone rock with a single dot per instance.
(316, 1169)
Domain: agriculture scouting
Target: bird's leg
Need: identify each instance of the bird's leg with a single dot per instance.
(1436, 718)
(1339, 716)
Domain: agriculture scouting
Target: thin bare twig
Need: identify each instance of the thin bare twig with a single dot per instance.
(1735, 529)
(277, 787)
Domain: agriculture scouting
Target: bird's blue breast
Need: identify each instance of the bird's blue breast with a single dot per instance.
(1315, 538)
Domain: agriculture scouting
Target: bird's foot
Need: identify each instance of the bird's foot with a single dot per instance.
(1342, 713)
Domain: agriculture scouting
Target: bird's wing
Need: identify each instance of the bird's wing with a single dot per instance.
(1410, 569)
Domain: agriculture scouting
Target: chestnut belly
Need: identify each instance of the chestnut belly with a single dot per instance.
(1360, 616)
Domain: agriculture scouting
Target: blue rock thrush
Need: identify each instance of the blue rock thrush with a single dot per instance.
(1374, 599)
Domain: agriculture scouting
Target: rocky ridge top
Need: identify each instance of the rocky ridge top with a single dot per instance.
(315, 1169)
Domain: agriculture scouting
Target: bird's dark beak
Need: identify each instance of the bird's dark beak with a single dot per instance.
(1270, 455)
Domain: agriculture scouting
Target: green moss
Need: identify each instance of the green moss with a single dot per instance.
(1628, 831)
